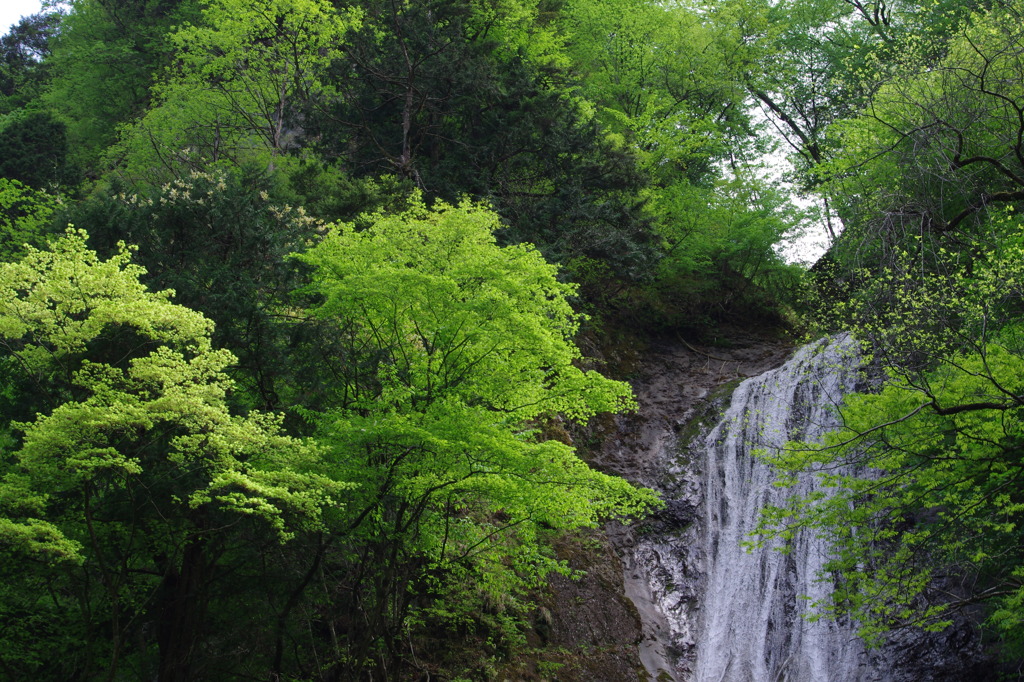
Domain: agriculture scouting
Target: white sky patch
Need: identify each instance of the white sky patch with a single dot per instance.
(11, 12)
(808, 242)
(809, 245)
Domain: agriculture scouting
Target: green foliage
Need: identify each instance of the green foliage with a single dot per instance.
(219, 241)
(939, 145)
(105, 59)
(811, 63)
(926, 136)
(24, 50)
(242, 76)
(930, 175)
(24, 216)
(720, 255)
(330, 193)
(923, 477)
(439, 278)
(429, 94)
(662, 80)
(452, 349)
(34, 150)
(668, 82)
(136, 472)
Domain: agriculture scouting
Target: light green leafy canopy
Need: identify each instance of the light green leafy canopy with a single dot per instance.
(242, 77)
(939, 142)
(661, 79)
(923, 479)
(139, 413)
(521, 28)
(457, 352)
(458, 316)
(24, 213)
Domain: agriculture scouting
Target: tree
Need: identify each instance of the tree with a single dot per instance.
(810, 63)
(942, 141)
(668, 82)
(452, 354)
(34, 150)
(468, 98)
(125, 502)
(23, 52)
(24, 217)
(242, 79)
(922, 499)
(104, 61)
(720, 251)
(663, 82)
(219, 241)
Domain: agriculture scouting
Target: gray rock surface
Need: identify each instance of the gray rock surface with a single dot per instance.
(680, 388)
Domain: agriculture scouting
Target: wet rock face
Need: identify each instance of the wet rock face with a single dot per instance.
(677, 515)
(603, 628)
(590, 620)
(640, 611)
(672, 383)
(952, 655)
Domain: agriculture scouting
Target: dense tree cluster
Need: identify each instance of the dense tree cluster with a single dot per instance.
(922, 161)
(291, 291)
(342, 425)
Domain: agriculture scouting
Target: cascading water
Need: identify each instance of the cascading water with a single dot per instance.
(751, 624)
(712, 611)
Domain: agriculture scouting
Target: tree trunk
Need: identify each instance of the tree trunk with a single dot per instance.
(182, 614)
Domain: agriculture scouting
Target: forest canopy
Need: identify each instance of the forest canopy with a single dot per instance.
(294, 294)
(924, 507)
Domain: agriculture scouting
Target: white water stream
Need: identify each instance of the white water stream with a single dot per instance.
(751, 624)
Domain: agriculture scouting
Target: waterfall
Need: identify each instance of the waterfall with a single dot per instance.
(713, 612)
(751, 624)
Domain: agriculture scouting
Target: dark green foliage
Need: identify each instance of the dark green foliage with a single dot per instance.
(149, 531)
(34, 150)
(331, 194)
(219, 241)
(23, 54)
(430, 96)
(103, 64)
